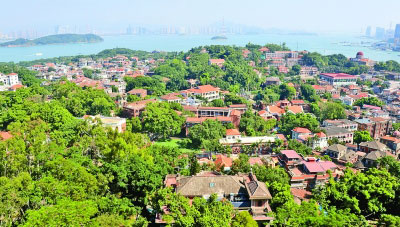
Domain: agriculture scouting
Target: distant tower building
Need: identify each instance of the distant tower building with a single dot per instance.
(397, 32)
(368, 31)
(380, 33)
(360, 55)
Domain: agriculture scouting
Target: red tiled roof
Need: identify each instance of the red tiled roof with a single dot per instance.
(291, 154)
(232, 132)
(255, 160)
(301, 130)
(5, 135)
(339, 75)
(298, 101)
(223, 160)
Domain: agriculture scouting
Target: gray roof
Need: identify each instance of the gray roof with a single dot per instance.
(376, 145)
(333, 130)
(207, 185)
(375, 155)
(258, 190)
(337, 148)
(348, 156)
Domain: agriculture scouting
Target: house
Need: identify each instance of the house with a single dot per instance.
(10, 79)
(372, 146)
(370, 159)
(134, 109)
(219, 62)
(341, 154)
(376, 126)
(172, 97)
(236, 141)
(142, 93)
(298, 131)
(342, 134)
(206, 92)
(307, 173)
(244, 191)
(290, 158)
(116, 123)
(5, 135)
(272, 81)
(338, 79)
(342, 123)
(223, 161)
(392, 142)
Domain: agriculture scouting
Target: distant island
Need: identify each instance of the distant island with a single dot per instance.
(219, 37)
(54, 39)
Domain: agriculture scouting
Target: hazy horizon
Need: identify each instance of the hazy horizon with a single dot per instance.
(302, 15)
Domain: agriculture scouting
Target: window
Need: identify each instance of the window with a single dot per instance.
(212, 184)
(259, 203)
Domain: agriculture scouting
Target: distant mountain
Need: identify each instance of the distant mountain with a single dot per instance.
(54, 39)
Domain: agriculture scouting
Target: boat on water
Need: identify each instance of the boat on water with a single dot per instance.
(219, 37)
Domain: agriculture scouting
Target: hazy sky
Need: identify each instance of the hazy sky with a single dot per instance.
(309, 15)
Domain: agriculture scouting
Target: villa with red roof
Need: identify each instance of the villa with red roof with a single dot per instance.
(338, 79)
(207, 92)
(218, 62)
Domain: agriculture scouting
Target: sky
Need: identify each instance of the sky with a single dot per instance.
(306, 15)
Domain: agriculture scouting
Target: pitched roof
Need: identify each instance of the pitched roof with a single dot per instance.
(337, 148)
(275, 109)
(301, 130)
(232, 132)
(255, 160)
(223, 160)
(207, 185)
(295, 109)
(258, 190)
(321, 166)
(375, 155)
(5, 135)
(291, 154)
(376, 145)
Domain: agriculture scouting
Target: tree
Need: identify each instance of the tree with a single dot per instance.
(332, 111)
(241, 165)
(194, 167)
(369, 101)
(299, 147)
(269, 175)
(287, 92)
(208, 131)
(290, 121)
(253, 124)
(362, 136)
(66, 212)
(244, 219)
(161, 121)
(308, 93)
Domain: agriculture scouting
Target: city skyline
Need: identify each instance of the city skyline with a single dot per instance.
(307, 15)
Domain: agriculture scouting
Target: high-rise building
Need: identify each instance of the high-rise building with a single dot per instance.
(380, 33)
(368, 31)
(397, 32)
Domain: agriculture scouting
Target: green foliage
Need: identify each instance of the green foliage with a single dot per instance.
(210, 131)
(287, 92)
(161, 121)
(269, 175)
(331, 111)
(369, 101)
(241, 165)
(275, 47)
(299, 147)
(201, 213)
(244, 219)
(389, 220)
(309, 214)
(369, 193)
(308, 93)
(55, 39)
(27, 77)
(362, 136)
(290, 121)
(151, 84)
(390, 65)
(254, 125)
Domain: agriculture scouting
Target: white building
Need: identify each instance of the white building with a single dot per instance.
(10, 79)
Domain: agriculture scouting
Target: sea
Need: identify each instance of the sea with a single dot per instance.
(347, 45)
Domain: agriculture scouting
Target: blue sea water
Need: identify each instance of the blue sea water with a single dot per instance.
(324, 44)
